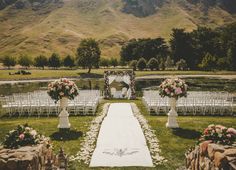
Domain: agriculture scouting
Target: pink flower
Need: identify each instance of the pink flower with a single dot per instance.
(231, 130)
(178, 90)
(21, 136)
(167, 90)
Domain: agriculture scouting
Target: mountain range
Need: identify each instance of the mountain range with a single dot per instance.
(36, 27)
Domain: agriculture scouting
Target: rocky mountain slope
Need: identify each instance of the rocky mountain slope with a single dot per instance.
(44, 26)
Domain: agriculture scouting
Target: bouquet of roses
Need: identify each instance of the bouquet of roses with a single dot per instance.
(62, 88)
(23, 135)
(173, 88)
(219, 134)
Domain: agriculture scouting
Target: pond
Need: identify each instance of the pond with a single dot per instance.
(195, 84)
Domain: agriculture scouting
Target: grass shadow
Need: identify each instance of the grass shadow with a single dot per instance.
(90, 75)
(66, 135)
(186, 133)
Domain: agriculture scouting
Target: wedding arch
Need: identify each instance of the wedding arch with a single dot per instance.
(126, 76)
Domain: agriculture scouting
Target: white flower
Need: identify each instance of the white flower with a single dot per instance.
(33, 133)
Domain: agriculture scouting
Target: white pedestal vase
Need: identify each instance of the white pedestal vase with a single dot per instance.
(172, 122)
(63, 116)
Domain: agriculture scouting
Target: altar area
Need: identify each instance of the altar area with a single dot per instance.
(125, 76)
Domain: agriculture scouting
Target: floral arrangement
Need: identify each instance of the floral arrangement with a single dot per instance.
(173, 88)
(219, 134)
(23, 135)
(62, 88)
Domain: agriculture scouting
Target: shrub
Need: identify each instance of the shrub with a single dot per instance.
(181, 64)
(169, 62)
(69, 61)
(153, 64)
(104, 62)
(208, 62)
(54, 61)
(142, 64)
(25, 61)
(133, 64)
(40, 61)
(9, 61)
(113, 62)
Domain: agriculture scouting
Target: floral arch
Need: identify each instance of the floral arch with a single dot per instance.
(126, 76)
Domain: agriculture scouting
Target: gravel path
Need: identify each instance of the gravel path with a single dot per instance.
(141, 77)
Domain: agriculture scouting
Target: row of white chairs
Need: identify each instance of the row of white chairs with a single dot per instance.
(38, 103)
(196, 103)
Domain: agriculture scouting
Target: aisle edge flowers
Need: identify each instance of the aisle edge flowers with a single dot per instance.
(150, 136)
(89, 143)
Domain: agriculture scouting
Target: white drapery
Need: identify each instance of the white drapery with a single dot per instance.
(118, 78)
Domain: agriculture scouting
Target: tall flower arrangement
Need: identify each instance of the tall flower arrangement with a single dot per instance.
(62, 88)
(175, 88)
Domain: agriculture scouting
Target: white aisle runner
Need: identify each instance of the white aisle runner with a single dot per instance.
(121, 141)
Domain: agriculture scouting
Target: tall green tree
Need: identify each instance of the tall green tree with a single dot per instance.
(181, 44)
(69, 61)
(9, 61)
(88, 54)
(54, 61)
(144, 48)
(40, 61)
(25, 61)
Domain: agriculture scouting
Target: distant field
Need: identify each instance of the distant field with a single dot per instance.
(96, 73)
(60, 30)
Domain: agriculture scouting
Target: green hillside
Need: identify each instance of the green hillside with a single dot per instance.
(58, 25)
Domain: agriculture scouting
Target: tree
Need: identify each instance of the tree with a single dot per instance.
(104, 62)
(88, 54)
(169, 62)
(113, 62)
(9, 61)
(54, 61)
(40, 61)
(152, 64)
(69, 61)
(147, 48)
(142, 64)
(181, 64)
(181, 44)
(231, 57)
(208, 62)
(25, 61)
(133, 64)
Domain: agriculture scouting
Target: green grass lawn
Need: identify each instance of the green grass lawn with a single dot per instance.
(97, 73)
(173, 143)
